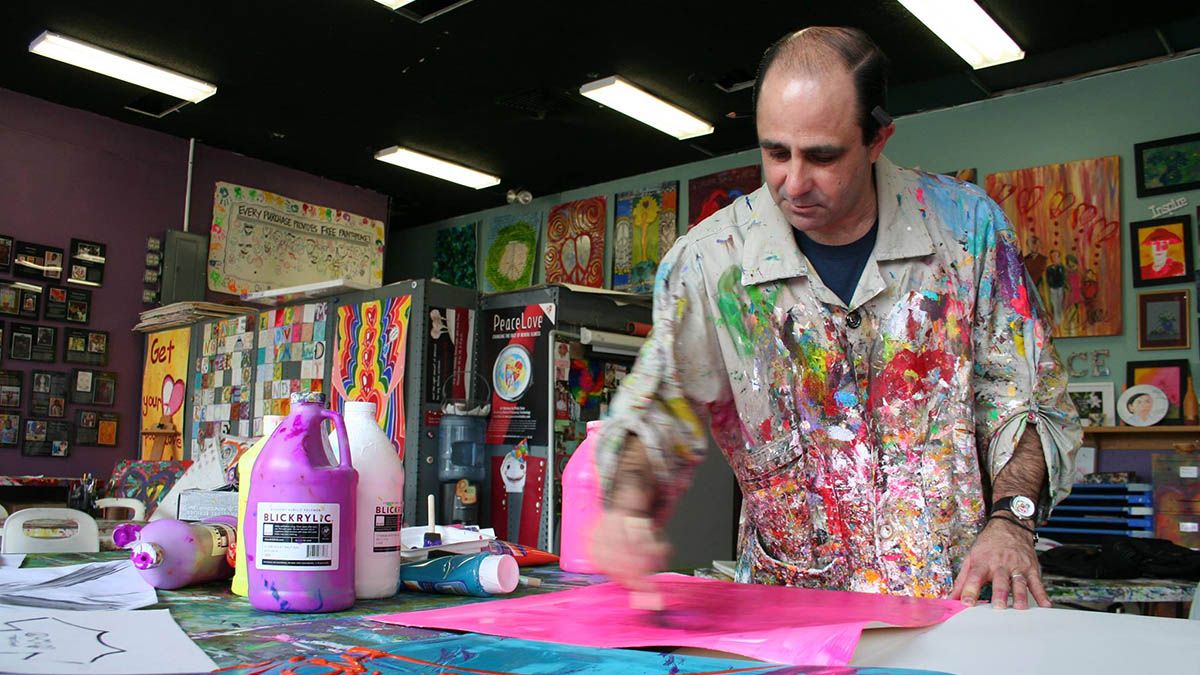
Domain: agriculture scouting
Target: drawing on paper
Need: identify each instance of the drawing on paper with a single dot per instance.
(368, 360)
(575, 243)
(510, 252)
(46, 640)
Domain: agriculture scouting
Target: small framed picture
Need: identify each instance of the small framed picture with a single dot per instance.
(1143, 405)
(1162, 251)
(86, 347)
(106, 430)
(10, 300)
(20, 342)
(87, 262)
(1164, 320)
(1169, 376)
(10, 430)
(1167, 165)
(1094, 401)
(6, 253)
(30, 298)
(104, 388)
(11, 388)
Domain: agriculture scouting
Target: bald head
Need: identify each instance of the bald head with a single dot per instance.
(818, 50)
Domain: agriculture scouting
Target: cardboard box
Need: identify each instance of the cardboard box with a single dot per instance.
(200, 504)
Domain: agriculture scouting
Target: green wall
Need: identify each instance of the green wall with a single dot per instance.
(1098, 116)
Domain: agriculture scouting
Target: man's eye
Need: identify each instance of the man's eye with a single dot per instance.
(822, 159)
(779, 156)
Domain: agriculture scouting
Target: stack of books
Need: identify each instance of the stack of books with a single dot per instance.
(185, 314)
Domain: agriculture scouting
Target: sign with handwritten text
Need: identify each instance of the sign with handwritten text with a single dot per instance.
(164, 385)
(261, 241)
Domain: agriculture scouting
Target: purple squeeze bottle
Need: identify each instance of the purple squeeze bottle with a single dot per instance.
(170, 553)
(299, 525)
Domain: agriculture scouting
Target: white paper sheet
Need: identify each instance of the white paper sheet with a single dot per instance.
(96, 643)
(94, 586)
(12, 560)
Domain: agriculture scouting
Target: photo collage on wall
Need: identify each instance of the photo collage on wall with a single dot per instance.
(291, 357)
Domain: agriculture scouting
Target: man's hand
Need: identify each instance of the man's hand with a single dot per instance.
(1004, 555)
(626, 546)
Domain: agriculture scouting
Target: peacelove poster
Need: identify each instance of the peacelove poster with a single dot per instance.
(164, 385)
(448, 347)
(516, 354)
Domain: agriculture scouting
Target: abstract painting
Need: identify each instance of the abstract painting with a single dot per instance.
(1167, 165)
(644, 230)
(1068, 220)
(368, 360)
(711, 193)
(575, 242)
(454, 256)
(510, 252)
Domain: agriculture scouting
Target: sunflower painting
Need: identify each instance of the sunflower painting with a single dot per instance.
(644, 231)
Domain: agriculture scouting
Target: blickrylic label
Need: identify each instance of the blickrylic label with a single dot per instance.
(387, 527)
(296, 536)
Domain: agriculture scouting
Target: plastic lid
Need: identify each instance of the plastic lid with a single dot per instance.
(499, 573)
(308, 397)
(360, 408)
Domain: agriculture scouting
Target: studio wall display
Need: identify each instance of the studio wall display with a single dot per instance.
(368, 360)
(510, 252)
(67, 304)
(6, 252)
(164, 386)
(47, 438)
(85, 347)
(87, 262)
(221, 383)
(10, 430)
(1167, 165)
(93, 387)
(11, 388)
(291, 357)
(575, 242)
(28, 342)
(260, 241)
(711, 193)
(644, 230)
(454, 256)
(20, 299)
(1170, 376)
(35, 261)
(48, 394)
(1162, 251)
(94, 427)
(1067, 218)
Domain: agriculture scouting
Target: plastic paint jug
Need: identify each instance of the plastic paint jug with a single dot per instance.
(171, 553)
(300, 516)
(581, 504)
(244, 466)
(380, 502)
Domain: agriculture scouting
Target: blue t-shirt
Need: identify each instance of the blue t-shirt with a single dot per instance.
(839, 266)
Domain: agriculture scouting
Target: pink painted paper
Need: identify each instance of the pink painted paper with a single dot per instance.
(772, 623)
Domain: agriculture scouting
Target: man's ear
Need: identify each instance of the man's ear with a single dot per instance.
(881, 139)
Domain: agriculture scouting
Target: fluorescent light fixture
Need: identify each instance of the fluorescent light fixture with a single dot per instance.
(97, 60)
(620, 95)
(393, 4)
(968, 30)
(611, 343)
(438, 168)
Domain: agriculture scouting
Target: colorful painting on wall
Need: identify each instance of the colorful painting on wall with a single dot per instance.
(1162, 251)
(291, 357)
(222, 377)
(454, 256)
(1170, 376)
(575, 242)
(1068, 220)
(1167, 165)
(711, 193)
(510, 252)
(261, 240)
(164, 385)
(643, 232)
(368, 360)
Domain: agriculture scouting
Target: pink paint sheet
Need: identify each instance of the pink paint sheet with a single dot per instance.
(771, 623)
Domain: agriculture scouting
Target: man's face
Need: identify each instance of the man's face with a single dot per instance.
(1160, 253)
(817, 169)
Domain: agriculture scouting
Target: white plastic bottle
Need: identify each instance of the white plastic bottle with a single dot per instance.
(380, 502)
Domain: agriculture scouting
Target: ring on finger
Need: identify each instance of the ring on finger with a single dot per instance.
(1018, 577)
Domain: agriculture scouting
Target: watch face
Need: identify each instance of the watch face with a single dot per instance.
(1023, 507)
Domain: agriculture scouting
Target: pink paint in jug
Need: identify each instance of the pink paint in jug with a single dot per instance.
(581, 504)
(300, 516)
(171, 553)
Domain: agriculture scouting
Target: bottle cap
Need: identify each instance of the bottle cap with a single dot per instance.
(308, 397)
(499, 574)
(146, 555)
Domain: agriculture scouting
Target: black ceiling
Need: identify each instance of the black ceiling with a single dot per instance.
(320, 85)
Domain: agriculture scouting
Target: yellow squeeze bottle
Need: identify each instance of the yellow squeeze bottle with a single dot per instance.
(245, 467)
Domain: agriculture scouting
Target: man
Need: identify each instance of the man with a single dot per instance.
(869, 352)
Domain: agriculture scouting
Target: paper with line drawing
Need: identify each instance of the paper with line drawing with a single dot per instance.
(93, 586)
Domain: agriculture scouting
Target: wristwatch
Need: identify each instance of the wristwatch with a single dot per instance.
(1020, 506)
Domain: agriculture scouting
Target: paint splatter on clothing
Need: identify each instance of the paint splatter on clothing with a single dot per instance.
(862, 434)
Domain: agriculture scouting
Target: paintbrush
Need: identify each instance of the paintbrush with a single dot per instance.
(432, 537)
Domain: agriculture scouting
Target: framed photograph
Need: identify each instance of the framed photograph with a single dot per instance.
(104, 386)
(1094, 401)
(87, 262)
(86, 424)
(1162, 251)
(106, 429)
(10, 430)
(20, 341)
(47, 438)
(1164, 320)
(11, 388)
(6, 255)
(45, 344)
(48, 395)
(30, 298)
(1169, 375)
(1167, 165)
(10, 300)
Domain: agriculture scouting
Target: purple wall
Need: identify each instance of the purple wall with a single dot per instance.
(67, 173)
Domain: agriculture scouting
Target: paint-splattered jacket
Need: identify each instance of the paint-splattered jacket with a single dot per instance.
(861, 436)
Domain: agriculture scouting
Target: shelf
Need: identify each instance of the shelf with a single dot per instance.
(1165, 437)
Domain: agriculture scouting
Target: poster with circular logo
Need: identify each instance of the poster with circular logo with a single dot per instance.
(1143, 405)
(512, 372)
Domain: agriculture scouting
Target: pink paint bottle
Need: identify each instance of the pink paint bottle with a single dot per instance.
(172, 553)
(581, 504)
(300, 516)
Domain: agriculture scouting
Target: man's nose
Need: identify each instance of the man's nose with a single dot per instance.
(799, 178)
